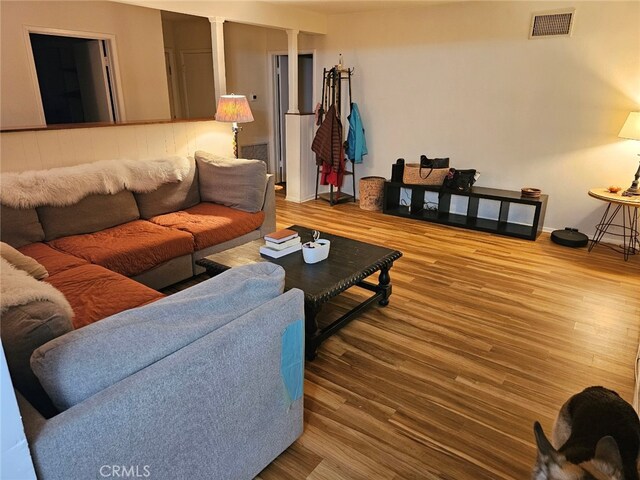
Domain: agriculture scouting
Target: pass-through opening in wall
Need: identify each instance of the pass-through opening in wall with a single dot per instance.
(75, 78)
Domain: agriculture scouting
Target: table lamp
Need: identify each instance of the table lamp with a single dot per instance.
(631, 130)
(235, 109)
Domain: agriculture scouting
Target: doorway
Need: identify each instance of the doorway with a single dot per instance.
(197, 83)
(172, 80)
(281, 103)
(189, 65)
(75, 78)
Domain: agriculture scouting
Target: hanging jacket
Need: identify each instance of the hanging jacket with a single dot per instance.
(356, 142)
(327, 145)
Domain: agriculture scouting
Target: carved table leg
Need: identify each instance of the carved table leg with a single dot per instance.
(311, 330)
(384, 286)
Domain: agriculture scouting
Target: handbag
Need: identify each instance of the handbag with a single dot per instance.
(397, 170)
(414, 174)
(459, 180)
(434, 162)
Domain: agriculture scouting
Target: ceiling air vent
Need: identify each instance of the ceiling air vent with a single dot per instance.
(552, 24)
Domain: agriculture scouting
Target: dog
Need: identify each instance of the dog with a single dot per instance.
(597, 437)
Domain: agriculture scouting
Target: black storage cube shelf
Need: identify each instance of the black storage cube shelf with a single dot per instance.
(444, 215)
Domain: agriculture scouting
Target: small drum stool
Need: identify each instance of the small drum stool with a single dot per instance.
(371, 193)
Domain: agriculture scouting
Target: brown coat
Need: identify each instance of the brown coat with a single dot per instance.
(327, 145)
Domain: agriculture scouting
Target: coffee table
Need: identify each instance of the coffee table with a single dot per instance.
(349, 263)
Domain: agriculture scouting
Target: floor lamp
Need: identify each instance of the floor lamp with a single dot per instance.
(234, 109)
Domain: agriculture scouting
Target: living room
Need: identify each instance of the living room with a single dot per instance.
(483, 334)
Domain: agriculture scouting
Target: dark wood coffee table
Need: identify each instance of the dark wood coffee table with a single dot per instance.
(349, 263)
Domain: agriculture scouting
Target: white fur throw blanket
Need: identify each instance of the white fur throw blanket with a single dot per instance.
(17, 287)
(63, 186)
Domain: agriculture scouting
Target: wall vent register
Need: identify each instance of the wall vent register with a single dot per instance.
(552, 24)
(259, 151)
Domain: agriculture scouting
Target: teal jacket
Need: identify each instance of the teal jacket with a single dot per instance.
(356, 143)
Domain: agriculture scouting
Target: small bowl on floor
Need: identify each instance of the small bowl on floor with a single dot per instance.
(314, 252)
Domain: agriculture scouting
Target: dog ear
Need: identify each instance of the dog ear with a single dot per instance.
(608, 456)
(548, 459)
(544, 445)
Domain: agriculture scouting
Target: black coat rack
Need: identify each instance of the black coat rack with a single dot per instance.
(332, 95)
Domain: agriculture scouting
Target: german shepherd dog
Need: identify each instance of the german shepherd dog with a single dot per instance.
(596, 437)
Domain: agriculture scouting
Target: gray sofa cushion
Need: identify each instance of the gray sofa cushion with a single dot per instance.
(24, 328)
(171, 197)
(236, 183)
(72, 368)
(20, 227)
(91, 214)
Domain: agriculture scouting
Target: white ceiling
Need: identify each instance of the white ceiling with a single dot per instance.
(332, 7)
(177, 17)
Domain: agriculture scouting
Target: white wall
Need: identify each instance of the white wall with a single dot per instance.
(245, 51)
(140, 52)
(463, 80)
(41, 149)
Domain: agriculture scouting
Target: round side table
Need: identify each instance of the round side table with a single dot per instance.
(628, 230)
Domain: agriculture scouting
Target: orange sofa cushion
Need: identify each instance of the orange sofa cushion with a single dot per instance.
(53, 260)
(95, 293)
(130, 248)
(210, 223)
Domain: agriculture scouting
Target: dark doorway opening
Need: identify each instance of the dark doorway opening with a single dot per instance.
(75, 79)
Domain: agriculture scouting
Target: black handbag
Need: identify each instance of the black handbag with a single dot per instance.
(459, 180)
(397, 170)
(433, 162)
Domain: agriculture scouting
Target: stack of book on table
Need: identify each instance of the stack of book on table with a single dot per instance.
(281, 243)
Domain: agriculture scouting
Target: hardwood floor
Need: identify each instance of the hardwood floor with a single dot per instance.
(483, 335)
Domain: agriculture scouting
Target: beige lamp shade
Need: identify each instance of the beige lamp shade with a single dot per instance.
(233, 108)
(631, 128)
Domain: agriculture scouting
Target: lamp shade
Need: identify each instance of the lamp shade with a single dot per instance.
(233, 108)
(631, 128)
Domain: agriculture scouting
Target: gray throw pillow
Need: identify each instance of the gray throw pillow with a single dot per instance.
(20, 227)
(171, 197)
(236, 183)
(24, 329)
(91, 214)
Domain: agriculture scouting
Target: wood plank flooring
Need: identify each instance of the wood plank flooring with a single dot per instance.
(483, 335)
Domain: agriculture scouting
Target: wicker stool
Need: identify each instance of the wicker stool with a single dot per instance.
(371, 193)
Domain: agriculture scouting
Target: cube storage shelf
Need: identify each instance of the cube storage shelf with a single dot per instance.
(443, 215)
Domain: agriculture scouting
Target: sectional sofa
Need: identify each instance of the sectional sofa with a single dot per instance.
(148, 220)
(151, 232)
(205, 383)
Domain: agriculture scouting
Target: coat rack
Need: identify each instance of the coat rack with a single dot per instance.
(332, 95)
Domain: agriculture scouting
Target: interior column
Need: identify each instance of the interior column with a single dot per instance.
(292, 38)
(217, 51)
(292, 123)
